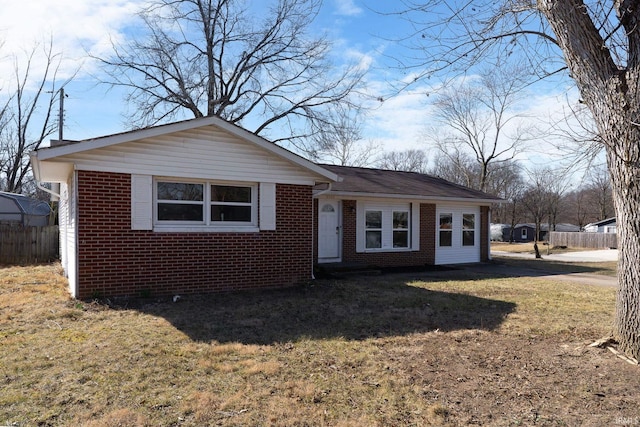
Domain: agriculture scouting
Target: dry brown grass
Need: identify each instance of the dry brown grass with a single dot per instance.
(420, 349)
(528, 248)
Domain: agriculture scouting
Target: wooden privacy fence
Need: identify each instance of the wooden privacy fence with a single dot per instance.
(24, 245)
(584, 240)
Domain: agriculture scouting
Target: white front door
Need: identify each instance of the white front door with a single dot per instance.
(328, 230)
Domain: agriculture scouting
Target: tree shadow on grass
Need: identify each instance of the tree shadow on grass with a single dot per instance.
(545, 267)
(352, 309)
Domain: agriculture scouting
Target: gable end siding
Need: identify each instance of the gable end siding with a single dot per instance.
(209, 154)
(114, 260)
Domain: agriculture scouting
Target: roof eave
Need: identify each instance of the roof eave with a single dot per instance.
(480, 201)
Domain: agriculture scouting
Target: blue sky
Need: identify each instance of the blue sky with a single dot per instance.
(91, 110)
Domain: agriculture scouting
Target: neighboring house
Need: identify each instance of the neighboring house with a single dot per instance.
(605, 226)
(203, 205)
(17, 209)
(526, 232)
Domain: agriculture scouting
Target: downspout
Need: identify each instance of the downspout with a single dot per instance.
(35, 165)
(489, 233)
(313, 232)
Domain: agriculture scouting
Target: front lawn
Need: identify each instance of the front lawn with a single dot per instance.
(417, 349)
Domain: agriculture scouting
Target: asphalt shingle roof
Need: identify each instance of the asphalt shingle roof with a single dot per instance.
(379, 181)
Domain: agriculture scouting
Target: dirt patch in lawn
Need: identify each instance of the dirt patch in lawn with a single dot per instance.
(406, 349)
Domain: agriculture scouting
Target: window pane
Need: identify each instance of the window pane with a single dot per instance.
(225, 193)
(374, 219)
(468, 238)
(401, 220)
(446, 221)
(374, 239)
(180, 191)
(230, 213)
(445, 238)
(400, 239)
(468, 222)
(328, 208)
(180, 212)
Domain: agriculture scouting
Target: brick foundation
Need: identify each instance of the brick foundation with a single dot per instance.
(114, 260)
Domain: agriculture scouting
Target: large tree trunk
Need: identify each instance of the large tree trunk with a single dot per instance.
(626, 196)
(611, 92)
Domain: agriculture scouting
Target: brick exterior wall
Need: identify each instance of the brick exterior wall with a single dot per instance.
(425, 256)
(484, 233)
(114, 260)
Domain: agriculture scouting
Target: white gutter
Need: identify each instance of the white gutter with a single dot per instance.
(320, 193)
(35, 165)
(416, 197)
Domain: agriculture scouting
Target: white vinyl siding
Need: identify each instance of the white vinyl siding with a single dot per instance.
(68, 227)
(205, 153)
(461, 250)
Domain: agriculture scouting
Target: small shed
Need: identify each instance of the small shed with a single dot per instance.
(17, 209)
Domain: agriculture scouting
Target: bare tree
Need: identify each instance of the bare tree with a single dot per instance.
(481, 122)
(598, 43)
(342, 143)
(212, 58)
(507, 183)
(578, 207)
(541, 199)
(26, 117)
(599, 193)
(456, 167)
(410, 161)
(504, 179)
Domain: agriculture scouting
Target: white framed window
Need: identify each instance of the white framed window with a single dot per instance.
(468, 229)
(185, 203)
(445, 230)
(231, 203)
(180, 202)
(401, 229)
(373, 229)
(386, 227)
(523, 233)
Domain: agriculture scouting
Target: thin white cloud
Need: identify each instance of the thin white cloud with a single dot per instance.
(347, 8)
(73, 27)
(401, 122)
(398, 123)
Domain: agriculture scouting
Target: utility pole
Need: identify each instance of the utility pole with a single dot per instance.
(61, 115)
